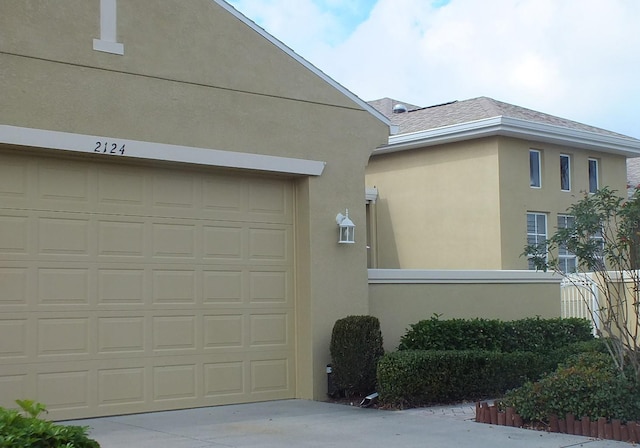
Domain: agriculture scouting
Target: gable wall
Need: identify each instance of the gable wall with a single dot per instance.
(191, 73)
(194, 75)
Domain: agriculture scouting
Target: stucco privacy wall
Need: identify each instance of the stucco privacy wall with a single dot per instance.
(195, 75)
(399, 298)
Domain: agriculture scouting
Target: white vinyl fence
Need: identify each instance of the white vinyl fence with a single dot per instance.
(579, 298)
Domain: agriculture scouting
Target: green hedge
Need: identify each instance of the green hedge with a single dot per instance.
(532, 334)
(586, 385)
(356, 346)
(417, 377)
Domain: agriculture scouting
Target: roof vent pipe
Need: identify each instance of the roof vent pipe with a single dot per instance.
(399, 109)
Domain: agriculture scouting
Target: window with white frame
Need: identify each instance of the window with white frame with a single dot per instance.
(535, 174)
(594, 176)
(565, 172)
(567, 261)
(536, 232)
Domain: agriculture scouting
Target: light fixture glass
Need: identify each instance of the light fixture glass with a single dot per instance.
(346, 228)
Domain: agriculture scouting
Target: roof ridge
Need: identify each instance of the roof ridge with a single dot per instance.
(434, 105)
(493, 105)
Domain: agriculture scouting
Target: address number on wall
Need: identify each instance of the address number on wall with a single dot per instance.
(105, 147)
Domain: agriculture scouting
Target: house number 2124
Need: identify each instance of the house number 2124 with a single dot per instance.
(109, 148)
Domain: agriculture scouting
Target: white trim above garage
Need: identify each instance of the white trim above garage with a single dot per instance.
(124, 148)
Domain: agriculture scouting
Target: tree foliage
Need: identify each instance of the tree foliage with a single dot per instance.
(605, 236)
(26, 430)
(587, 384)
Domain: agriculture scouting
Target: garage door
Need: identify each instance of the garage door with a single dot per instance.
(126, 288)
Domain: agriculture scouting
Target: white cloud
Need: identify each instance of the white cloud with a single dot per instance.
(578, 59)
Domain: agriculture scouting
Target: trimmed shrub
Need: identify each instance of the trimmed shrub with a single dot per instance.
(458, 359)
(535, 334)
(417, 377)
(356, 347)
(453, 334)
(588, 384)
(532, 334)
(19, 431)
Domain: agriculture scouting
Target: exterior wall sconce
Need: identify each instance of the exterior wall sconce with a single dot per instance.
(346, 228)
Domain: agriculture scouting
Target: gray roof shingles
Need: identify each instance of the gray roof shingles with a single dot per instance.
(458, 112)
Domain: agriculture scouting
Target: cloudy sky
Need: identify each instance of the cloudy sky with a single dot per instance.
(578, 59)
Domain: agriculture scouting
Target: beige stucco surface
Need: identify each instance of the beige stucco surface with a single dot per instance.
(397, 306)
(194, 75)
(438, 208)
(517, 197)
(463, 205)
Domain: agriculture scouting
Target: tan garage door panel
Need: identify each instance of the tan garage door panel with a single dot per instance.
(129, 289)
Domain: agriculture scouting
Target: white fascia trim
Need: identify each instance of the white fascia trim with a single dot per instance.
(366, 106)
(513, 127)
(571, 137)
(424, 276)
(65, 141)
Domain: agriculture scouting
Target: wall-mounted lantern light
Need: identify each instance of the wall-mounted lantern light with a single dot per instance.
(346, 228)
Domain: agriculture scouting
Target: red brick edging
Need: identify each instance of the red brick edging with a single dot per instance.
(601, 428)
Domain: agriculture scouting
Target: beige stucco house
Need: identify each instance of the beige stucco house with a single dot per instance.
(170, 176)
(466, 184)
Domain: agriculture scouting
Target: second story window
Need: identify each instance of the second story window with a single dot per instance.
(565, 172)
(594, 176)
(534, 169)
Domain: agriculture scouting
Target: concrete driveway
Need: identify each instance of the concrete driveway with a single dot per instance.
(300, 423)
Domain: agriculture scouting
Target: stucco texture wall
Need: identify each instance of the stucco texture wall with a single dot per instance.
(438, 207)
(464, 205)
(194, 75)
(397, 306)
(517, 197)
